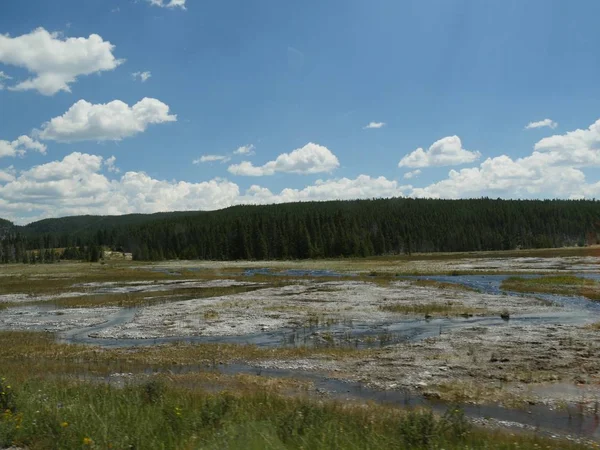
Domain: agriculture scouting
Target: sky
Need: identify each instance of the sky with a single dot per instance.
(140, 106)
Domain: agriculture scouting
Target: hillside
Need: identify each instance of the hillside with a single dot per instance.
(90, 224)
(321, 229)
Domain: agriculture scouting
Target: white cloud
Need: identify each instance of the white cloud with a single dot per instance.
(20, 146)
(372, 125)
(105, 122)
(412, 174)
(3, 77)
(7, 175)
(142, 76)
(541, 124)
(580, 148)
(169, 4)
(246, 168)
(109, 163)
(445, 152)
(76, 185)
(504, 177)
(80, 184)
(54, 61)
(245, 150)
(552, 170)
(87, 184)
(362, 187)
(310, 159)
(211, 158)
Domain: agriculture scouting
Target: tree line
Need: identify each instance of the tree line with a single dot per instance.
(358, 228)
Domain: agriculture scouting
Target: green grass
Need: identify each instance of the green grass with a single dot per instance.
(443, 285)
(157, 415)
(29, 354)
(145, 298)
(555, 284)
(448, 309)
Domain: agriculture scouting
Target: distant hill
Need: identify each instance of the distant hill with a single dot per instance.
(316, 230)
(86, 224)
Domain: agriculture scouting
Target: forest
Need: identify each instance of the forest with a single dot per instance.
(330, 229)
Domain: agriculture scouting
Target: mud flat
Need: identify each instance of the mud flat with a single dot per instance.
(53, 319)
(338, 305)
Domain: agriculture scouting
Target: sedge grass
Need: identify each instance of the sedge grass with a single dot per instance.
(64, 414)
(556, 284)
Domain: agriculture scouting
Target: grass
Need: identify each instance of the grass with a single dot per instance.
(157, 414)
(472, 392)
(443, 285)
(447, 309)
(136, 299)
(557, 284)
(26, 353)
(210, 314)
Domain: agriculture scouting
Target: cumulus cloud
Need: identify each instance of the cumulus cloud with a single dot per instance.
(3, 78)
(168, 4)
(245, 150)
(111, 121)
(447, 151)
(375, 125)
(211, 158)
(109, 163)
(541, 124)
(77, 184)
(412, 174)
(54, 61)
(81, 183)
(7, 174)
(87, 184)
(361, 187)
(142, 76)
(553, 169)
(580, 147)
(20, 146)
(310, 159)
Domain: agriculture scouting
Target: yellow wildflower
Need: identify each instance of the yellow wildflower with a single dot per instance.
(87, 441)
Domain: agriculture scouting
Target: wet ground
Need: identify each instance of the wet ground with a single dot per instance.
(528, 361)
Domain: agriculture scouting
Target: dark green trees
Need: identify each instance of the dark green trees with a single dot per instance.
(314, 230)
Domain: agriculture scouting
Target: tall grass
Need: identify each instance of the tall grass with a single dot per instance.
(558, 284)
(448, 309)
(156, 415)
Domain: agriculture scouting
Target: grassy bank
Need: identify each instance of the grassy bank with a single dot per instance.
(158, 415)
(559, 284)
(23, 354)
(448, 309)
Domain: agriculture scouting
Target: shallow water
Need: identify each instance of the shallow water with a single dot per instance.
(569, 421)
(491, 284)
(297, 273)
(578, 310)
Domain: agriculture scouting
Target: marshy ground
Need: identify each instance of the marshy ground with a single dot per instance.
(513, 338)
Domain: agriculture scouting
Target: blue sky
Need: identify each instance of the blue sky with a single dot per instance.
(296, 84)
